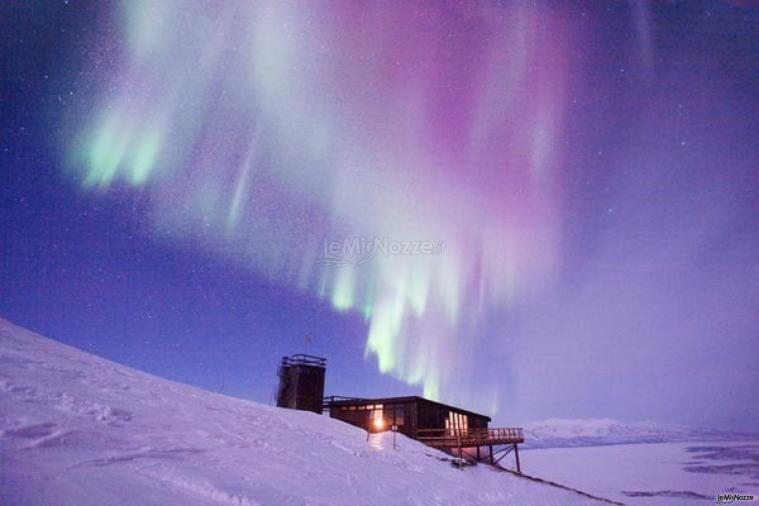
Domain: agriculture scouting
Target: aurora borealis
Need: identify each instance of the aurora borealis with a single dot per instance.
(276, 125)
(588, 169)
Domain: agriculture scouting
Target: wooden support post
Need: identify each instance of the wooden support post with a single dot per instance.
(491, 454)
(478, 453)
(516, 454)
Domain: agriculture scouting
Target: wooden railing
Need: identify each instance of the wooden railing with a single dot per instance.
(453, 438)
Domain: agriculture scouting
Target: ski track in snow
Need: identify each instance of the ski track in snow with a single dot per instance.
(76, 429)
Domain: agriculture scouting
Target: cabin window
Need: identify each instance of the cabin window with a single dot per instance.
(456, 422)
(377, 417)
(394, 414)
(400, 412)
(450, 422)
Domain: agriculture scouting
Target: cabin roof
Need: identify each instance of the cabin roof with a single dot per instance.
(408, 398)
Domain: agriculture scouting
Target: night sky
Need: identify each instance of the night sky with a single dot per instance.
(173, 171)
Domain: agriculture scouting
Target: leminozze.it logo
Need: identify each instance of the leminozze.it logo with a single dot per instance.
(358, 250)
(731, 498)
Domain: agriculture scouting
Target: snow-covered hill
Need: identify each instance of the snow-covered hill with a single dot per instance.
(76, 429)
(557, 432)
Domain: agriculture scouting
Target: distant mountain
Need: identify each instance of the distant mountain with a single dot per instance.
(559, 432)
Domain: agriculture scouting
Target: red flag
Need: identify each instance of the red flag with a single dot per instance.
(308, 343)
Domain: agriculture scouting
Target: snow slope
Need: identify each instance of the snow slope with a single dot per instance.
(76, 429)
(558, 432)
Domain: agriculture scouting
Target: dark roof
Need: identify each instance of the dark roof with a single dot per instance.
(410, 398)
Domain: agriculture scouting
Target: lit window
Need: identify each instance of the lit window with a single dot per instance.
(377, 420)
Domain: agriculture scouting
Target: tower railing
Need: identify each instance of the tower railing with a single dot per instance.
(303, 359)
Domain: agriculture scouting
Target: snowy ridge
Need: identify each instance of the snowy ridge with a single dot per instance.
(559, 432)
(76, 429)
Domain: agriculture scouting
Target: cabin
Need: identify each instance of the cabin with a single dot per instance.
(411, 416)
(460, 432)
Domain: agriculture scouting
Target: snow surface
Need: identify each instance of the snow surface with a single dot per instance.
(76, 429)
(658, 474)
